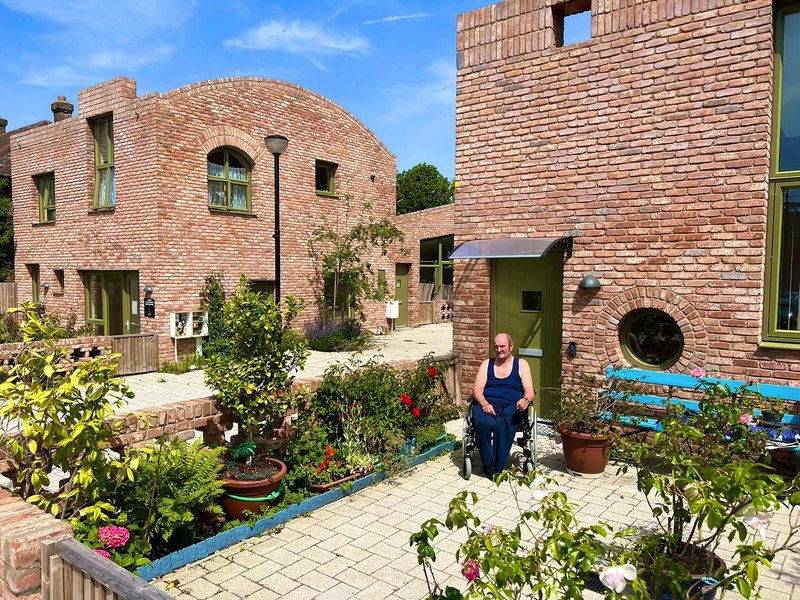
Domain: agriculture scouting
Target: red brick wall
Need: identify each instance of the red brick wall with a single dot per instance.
(420, 225)
(649, 144)
(162, 226)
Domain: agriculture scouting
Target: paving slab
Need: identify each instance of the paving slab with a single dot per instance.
(379, 563)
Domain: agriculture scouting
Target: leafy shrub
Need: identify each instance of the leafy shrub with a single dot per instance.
(212, 299)
(346, 336)
(62, 411)
(184, 365)
(172, 501)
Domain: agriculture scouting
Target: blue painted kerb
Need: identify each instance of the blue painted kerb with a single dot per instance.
(181, 558)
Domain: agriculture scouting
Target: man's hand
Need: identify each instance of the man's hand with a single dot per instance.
(488, 409)
(523, 404)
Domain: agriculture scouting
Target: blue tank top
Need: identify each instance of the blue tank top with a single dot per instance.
(503, 391)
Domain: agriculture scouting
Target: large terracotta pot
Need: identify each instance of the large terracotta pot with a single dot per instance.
(251, 495)
(586, 454)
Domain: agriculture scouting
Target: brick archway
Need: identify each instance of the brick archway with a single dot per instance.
(695, 337)
(225, 135)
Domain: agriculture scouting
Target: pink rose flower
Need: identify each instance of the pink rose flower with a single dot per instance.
(745, 419)
(616, 578)
(103, 553)
(113, 536)
(470, 570)
(698, 372)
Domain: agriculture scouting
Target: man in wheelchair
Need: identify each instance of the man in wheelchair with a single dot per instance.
(502, 392)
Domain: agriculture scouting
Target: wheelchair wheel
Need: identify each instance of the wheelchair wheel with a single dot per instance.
(467, 471)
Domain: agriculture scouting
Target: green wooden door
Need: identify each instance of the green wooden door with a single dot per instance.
(526, 303)
(112, 301)
(401, 292)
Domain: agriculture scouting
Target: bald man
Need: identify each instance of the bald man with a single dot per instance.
(503, 391)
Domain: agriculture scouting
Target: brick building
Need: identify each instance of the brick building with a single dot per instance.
(661, 156)
(135, 200)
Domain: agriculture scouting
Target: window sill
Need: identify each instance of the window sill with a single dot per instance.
(43, 224)
(772, 345)
(326, 194)
(227, 211)
(58, 294)
(102, 209)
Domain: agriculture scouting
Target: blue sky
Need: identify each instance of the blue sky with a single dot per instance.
(389, 62)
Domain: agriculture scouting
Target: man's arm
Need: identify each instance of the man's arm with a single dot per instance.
(527, 385)
(480, 384)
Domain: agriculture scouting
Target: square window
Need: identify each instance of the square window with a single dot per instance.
(325, 173)
(572, 22)
(263, 286)
(531, 300)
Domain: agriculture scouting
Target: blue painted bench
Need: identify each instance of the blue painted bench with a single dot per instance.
(672, 383)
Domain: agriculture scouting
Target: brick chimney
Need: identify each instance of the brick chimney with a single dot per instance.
(61, 109)
(3, 123)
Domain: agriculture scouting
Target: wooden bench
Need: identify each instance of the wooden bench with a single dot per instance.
(674, 384)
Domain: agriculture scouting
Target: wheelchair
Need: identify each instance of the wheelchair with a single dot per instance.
(527, 432)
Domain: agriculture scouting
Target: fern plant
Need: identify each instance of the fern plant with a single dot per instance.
(173, 499)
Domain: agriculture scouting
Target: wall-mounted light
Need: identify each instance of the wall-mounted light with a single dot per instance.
(372, 178)
(590, 282)
(148, 290)
(45, 286)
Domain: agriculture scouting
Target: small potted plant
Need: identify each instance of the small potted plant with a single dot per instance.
(588, 419)
(253, 379)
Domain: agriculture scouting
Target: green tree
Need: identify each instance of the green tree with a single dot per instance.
(345, 280)
(6, 232)
(422, 186)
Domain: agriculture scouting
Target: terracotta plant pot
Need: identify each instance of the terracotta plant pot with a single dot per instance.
(586, 454)
(251, 494)
(324, 487)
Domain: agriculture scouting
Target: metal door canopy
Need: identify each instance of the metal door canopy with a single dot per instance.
(512, 248)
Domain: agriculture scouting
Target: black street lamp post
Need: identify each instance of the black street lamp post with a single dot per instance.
(277, 144)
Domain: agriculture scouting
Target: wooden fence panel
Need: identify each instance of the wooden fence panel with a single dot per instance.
(426, 313)
(71, 571)
(139, 353)
(8, 295)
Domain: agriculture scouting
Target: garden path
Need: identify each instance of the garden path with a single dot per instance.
(358, 547)
(156, 389)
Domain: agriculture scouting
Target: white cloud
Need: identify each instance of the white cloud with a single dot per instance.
(393, 18)
(435, 92)
(302, 38)
(94, 39)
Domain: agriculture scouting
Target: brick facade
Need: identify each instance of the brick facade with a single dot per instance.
(650, 145)
(420, 225)
(162, 226)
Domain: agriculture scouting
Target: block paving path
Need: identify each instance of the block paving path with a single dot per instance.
(358, 547)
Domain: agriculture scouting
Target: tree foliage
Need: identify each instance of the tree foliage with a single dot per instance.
(340, 250)
(422, 186)
(6, 232)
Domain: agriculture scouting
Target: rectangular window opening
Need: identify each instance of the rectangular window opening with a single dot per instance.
(105, 189)
(263, 286)
(325, 173)
(33, 271)
(59, 274)
(572, 22)
(46, 189)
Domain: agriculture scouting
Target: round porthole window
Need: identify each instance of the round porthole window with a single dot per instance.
(651, 339)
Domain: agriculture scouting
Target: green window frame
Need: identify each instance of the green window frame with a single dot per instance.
(228, 180)
(325, 177)
(782, 277)
(46, 189)
(105, 187)
(33, 270)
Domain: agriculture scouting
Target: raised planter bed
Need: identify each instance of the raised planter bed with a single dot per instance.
(321, 488)
(181, 558)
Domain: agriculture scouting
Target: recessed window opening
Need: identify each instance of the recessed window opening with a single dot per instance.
(325, 173)
(651, 339)
(59, 274)
(572, 22)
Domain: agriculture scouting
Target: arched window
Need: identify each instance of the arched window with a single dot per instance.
(228, 180)
(651, 339)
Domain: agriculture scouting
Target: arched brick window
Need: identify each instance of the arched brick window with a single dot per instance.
(228, 180)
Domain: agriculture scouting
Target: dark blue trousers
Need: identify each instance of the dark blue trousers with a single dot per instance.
(494, 435)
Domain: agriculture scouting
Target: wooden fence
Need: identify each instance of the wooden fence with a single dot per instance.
(8, 295)
(71, 571)
(139, 353)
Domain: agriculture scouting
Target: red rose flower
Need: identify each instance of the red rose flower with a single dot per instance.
(416, 412)
(432, 372)
(406, 399)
